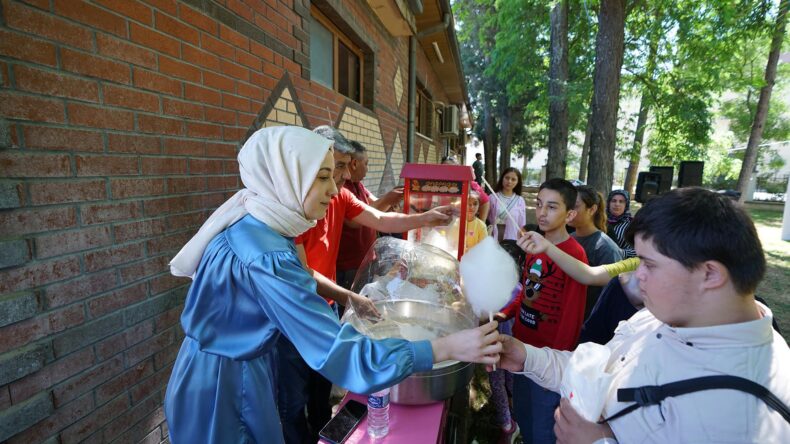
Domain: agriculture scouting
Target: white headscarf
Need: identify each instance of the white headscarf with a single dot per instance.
(277, 166)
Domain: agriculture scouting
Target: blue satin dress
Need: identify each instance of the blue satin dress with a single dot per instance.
(249, 288)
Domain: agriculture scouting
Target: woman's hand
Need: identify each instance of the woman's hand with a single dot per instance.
(533, 243)
(513, 354)
(571, 428)
(479, 345)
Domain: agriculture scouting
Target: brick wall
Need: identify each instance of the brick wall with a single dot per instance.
(119, 125)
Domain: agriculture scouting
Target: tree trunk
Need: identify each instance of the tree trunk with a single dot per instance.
(756, 135)
(585, 159)
(505, 137)
(489, 144)
(558, 100)
(636, 151)
(606, 93)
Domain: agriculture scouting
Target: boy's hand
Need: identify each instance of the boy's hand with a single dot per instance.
(571, 428)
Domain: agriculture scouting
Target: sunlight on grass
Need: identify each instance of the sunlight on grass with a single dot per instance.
(777, 277)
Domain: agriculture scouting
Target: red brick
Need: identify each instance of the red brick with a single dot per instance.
(129, 8)
(217, 46)
(26, 107)
(25, 332)
(122, 50)
(234, 70)
(102, 165)
(5, 398)
(82, 383)
(235, 102)
(122, 143)
(152, 39)
(267, 25)
(101, 213)
(236, 39)
(125, 188)
(169, 244)
(261, 51)
(248, 60)
(93, 66)
(168, 205)
(51, 374)
(233, 133)
(178, 185)
(205, 166)
(120, 426)
(178, 69)
(130, 98)
(38, 274)
(100, 117)
(222, 183)
(94, 421)
(199, 94)
(168, 6)
(199, 57)
(45, 193)
(60, 418)
(110, 257)
(268, 83)
(23, 164)
(197, 19)
(116, 300)
(187, 220)
(231, 167)
(156, 82)
(139, 230)
(78, 289)
(66, 318)
(130, 377)
(62, 139)
(220, 115)
(218, 81)
(147, 348)
(24, 47)
(184, 148)
(41, 24)
(173, 27)
(165, 282)
(182, 109)
(247, 119)
(159, 125)
(70, 241)
(273, 70)
(91, 15)
(168, 319)
(250, 91)
(293, 67)
(220, 149)
(154, 166)
(204, 130)
(41, 4)
(207, 201)
(143, 269)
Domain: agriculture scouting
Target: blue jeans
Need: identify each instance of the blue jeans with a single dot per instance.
(533, 407)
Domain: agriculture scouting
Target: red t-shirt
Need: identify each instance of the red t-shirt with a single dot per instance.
(355, 242)
(550, 310)
(322, 242)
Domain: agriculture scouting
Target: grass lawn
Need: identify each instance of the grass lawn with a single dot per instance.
(774, 289)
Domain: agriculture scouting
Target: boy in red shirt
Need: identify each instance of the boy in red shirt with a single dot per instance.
(549, 311)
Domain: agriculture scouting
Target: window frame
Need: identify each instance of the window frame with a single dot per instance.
(337, 37)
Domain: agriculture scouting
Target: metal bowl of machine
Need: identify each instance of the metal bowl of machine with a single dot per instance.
(419, 320)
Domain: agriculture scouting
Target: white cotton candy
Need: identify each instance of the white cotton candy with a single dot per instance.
(489, 275)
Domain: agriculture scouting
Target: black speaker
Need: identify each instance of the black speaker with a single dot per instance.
(647, 186)
(666, 177)
(690, 173)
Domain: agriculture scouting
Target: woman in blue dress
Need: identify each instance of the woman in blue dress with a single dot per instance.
(249, 287)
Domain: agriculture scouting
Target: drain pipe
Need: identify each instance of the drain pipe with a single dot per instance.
(412, 100)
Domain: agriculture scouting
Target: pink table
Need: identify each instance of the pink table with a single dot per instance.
(412, 424)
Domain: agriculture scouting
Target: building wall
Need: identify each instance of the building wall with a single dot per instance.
(120, 121)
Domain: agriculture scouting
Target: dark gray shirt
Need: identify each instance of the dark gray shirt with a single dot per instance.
(600, 250)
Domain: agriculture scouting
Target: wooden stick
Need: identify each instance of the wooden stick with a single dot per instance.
(502, 204)
(491, 319)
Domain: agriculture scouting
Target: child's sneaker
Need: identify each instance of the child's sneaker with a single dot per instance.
(509, 435)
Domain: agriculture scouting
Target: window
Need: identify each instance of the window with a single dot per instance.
(335, 61)
(424, 116)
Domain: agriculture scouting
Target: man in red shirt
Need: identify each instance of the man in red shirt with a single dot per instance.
(318, 248)
(356, 241)
(550, 310)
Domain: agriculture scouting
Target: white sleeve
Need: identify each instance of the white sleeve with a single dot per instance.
(545, 366)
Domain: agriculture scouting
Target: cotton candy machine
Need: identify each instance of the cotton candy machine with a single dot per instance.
(416, 290)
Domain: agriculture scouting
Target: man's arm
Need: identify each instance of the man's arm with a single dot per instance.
(385, 202)
(397, 222)
(325, 286)
(544, 365)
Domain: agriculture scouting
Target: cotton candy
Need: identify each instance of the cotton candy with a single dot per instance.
(489, 276)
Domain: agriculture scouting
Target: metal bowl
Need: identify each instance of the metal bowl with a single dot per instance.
(416, 320)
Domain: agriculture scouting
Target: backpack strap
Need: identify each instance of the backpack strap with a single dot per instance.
(654, 394)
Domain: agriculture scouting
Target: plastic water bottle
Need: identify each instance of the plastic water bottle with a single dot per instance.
(379, 413)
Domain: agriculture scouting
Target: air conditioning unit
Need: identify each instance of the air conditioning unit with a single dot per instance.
(450, 120)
